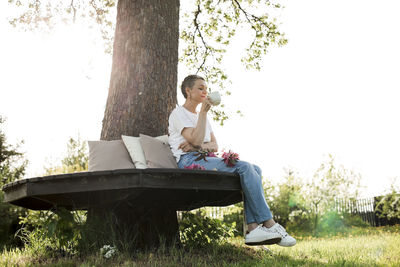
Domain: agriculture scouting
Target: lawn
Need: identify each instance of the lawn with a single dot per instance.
(359, 247)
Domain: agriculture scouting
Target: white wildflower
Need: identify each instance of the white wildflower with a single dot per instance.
(108, 251)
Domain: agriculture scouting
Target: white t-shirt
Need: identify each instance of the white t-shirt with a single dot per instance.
(179, 119)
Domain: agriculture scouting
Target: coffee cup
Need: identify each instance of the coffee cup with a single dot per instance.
(214, 98)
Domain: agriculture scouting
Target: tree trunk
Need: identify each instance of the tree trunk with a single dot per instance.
(141, 96)
(143, 82)
(132, 228)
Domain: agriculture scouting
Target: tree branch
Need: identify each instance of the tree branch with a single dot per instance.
(253, 19)
(74, 9)
(197, 29)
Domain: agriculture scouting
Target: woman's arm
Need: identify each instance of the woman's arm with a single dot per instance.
(211, 146)
(187, 147)
(195, 136)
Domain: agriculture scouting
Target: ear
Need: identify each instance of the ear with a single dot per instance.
(187, 89)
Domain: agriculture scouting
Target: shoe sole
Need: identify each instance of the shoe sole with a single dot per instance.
(287, 245)
(271, 241)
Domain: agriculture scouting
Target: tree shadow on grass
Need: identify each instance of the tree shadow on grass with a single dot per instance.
(213, 255)
(242, 255)
(221, 255)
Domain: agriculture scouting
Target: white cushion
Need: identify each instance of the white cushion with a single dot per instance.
(135, 149)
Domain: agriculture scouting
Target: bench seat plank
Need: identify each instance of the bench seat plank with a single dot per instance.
(178, 189)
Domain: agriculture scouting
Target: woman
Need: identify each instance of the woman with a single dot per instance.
(190, 131)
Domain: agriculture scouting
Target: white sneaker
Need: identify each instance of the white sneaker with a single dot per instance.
(287, 240)
(262, 236)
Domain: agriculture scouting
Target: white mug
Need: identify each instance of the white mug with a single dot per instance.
(215, 98)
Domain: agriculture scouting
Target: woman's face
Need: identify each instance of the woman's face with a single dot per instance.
(198, 92)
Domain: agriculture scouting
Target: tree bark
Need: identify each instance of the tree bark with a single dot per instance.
(141, 96)
(143, 82)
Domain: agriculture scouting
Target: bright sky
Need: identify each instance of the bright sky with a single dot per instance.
(334, 89)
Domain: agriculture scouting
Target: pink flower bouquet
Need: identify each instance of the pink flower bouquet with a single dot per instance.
(230, 158)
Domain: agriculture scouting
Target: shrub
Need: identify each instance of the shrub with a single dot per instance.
(300, 220)
(354, 220)
(47, 231)
(12, 167)
(9, 223)
(388, 208)
(197, 230)
(234, 220)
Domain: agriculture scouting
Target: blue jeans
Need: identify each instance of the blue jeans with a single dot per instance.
(255, 206)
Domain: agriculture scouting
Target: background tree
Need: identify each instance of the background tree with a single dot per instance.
(12, 167)
(330, 182)
(75, 160)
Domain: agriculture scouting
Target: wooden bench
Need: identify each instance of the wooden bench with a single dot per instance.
(132, 195)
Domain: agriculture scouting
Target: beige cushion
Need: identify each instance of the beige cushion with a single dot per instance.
(157, 153)
(135, 149)
(108, 155)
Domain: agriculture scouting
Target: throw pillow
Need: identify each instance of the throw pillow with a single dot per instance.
(108, 155)
(136, 151)
(157, 153)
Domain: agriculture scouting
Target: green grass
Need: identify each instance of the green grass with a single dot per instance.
(357, 247)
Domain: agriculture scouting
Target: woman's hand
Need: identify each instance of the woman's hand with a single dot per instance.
(205, 107)
(210, 146)
(187, 147)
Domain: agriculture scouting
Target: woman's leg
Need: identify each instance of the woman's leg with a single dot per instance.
(270, 222)
(251, 182)
(256, 208)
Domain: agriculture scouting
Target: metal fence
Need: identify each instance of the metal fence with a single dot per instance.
(368, 209)
(365, 208)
